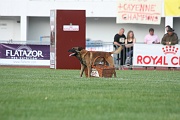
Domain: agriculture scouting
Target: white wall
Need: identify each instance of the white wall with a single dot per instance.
(9, 28)
(177, 26)
(16, 31)
(96, 29)
(38, 26)
(94, 8)
(105, 29)
(102, 29)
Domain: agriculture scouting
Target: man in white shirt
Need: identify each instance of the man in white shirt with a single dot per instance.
(151, 38)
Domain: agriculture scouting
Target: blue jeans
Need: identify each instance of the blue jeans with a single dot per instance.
(128, 54)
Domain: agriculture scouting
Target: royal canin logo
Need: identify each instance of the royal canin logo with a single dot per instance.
(170, 50)
(170, 58)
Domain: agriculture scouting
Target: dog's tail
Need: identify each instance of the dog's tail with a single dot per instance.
(117, 51)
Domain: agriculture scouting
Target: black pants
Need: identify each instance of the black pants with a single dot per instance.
(121, 57)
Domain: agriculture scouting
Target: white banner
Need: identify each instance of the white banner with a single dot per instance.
(156, 55)
(139, 11)
(24, 62)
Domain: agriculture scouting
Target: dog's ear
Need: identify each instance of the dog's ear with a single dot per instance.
(75, 48)
(80, 48)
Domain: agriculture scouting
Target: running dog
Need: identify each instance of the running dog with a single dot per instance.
(86, 58)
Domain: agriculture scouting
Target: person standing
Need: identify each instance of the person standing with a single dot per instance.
(170, 38)
(119, 40)
(151, 38)
(129, 42)
(167, 28)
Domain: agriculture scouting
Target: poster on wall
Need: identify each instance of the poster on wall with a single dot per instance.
(52, 38)
(17, 54)
(139, 11)
(172, 7)
(156, 55)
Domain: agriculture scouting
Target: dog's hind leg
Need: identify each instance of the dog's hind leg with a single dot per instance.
(110, 61)
(89, 71)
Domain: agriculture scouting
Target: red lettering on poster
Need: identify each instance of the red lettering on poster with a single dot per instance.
(165, 63)
(154, 58)
(141, 11)
(159, 61)
(173, 61)
(139, 60)
(147, 59)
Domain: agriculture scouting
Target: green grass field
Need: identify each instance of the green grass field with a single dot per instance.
(46, 94)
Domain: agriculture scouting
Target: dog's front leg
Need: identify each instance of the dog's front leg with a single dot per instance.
(82, 70)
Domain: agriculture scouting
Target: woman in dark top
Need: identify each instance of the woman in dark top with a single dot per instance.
(119, 39)
(129, 42)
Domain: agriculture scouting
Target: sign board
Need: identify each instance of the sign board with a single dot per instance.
(139, 11)
(17, 54)
(70, 27)
(172, 7)
(156, 55)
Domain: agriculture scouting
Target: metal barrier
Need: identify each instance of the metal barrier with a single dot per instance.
(121, 60)
(124, 58)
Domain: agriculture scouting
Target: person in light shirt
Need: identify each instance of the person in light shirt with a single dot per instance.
(151, 38)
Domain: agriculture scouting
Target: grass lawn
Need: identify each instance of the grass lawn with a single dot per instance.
(46, 94)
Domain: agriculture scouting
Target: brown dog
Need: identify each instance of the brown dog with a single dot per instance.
(86, 58)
